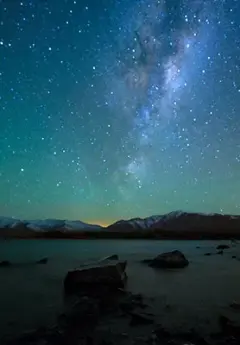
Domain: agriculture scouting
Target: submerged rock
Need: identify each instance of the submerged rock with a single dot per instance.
(208, 254)
(99, 278)
(220, 252)
(223, 246)
(5, 263)
(174, 259)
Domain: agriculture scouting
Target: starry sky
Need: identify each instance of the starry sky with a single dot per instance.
(113, 109)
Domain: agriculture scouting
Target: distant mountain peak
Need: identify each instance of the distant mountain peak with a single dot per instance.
(47, 224)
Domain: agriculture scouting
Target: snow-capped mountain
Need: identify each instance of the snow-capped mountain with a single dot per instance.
(184, 221)
(46, 225)
(134, 224)
(180, 221)
(171, 224)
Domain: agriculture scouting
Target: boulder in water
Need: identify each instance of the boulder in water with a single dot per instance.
(42, 261)
(174, 259)
(96, 279)
(222, 247)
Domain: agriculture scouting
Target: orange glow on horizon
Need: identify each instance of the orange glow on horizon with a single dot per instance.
(101, 222)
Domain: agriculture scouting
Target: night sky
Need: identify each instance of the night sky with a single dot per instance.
(113, 109)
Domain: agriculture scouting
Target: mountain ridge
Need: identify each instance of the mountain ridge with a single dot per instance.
(176, 223)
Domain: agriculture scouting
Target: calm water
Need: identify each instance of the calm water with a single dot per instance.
(31, 295)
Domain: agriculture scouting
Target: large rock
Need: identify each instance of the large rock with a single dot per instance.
(174, 259)
(96, 279)
(42, 261)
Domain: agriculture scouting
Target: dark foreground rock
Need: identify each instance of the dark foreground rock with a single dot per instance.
(85, 324)
(94, 279)
(5, 263)
(174, 259)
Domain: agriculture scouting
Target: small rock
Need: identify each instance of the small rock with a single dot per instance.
(140, 319)
(228, 327)
(235, 305)
(138, 297)
(174, 259)
(220, 252)
(5, 263)
(42, 261)
(126, 306)
(191, 337)
(161, 333)
(131, 302)
(124, 335)
(222, 247)
(168, 307)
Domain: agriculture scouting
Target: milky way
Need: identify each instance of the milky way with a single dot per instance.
(119, 108)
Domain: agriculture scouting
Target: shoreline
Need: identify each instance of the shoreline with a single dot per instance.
(141, 235)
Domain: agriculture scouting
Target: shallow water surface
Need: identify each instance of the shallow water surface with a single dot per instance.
(31, 295)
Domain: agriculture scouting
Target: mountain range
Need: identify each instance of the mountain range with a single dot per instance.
(173, 224)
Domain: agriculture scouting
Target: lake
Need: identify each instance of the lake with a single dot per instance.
(31, 295)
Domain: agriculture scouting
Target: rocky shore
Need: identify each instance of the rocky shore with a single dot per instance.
(100, 310)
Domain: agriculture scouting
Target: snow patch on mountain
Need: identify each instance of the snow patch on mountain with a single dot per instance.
(46, 224)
